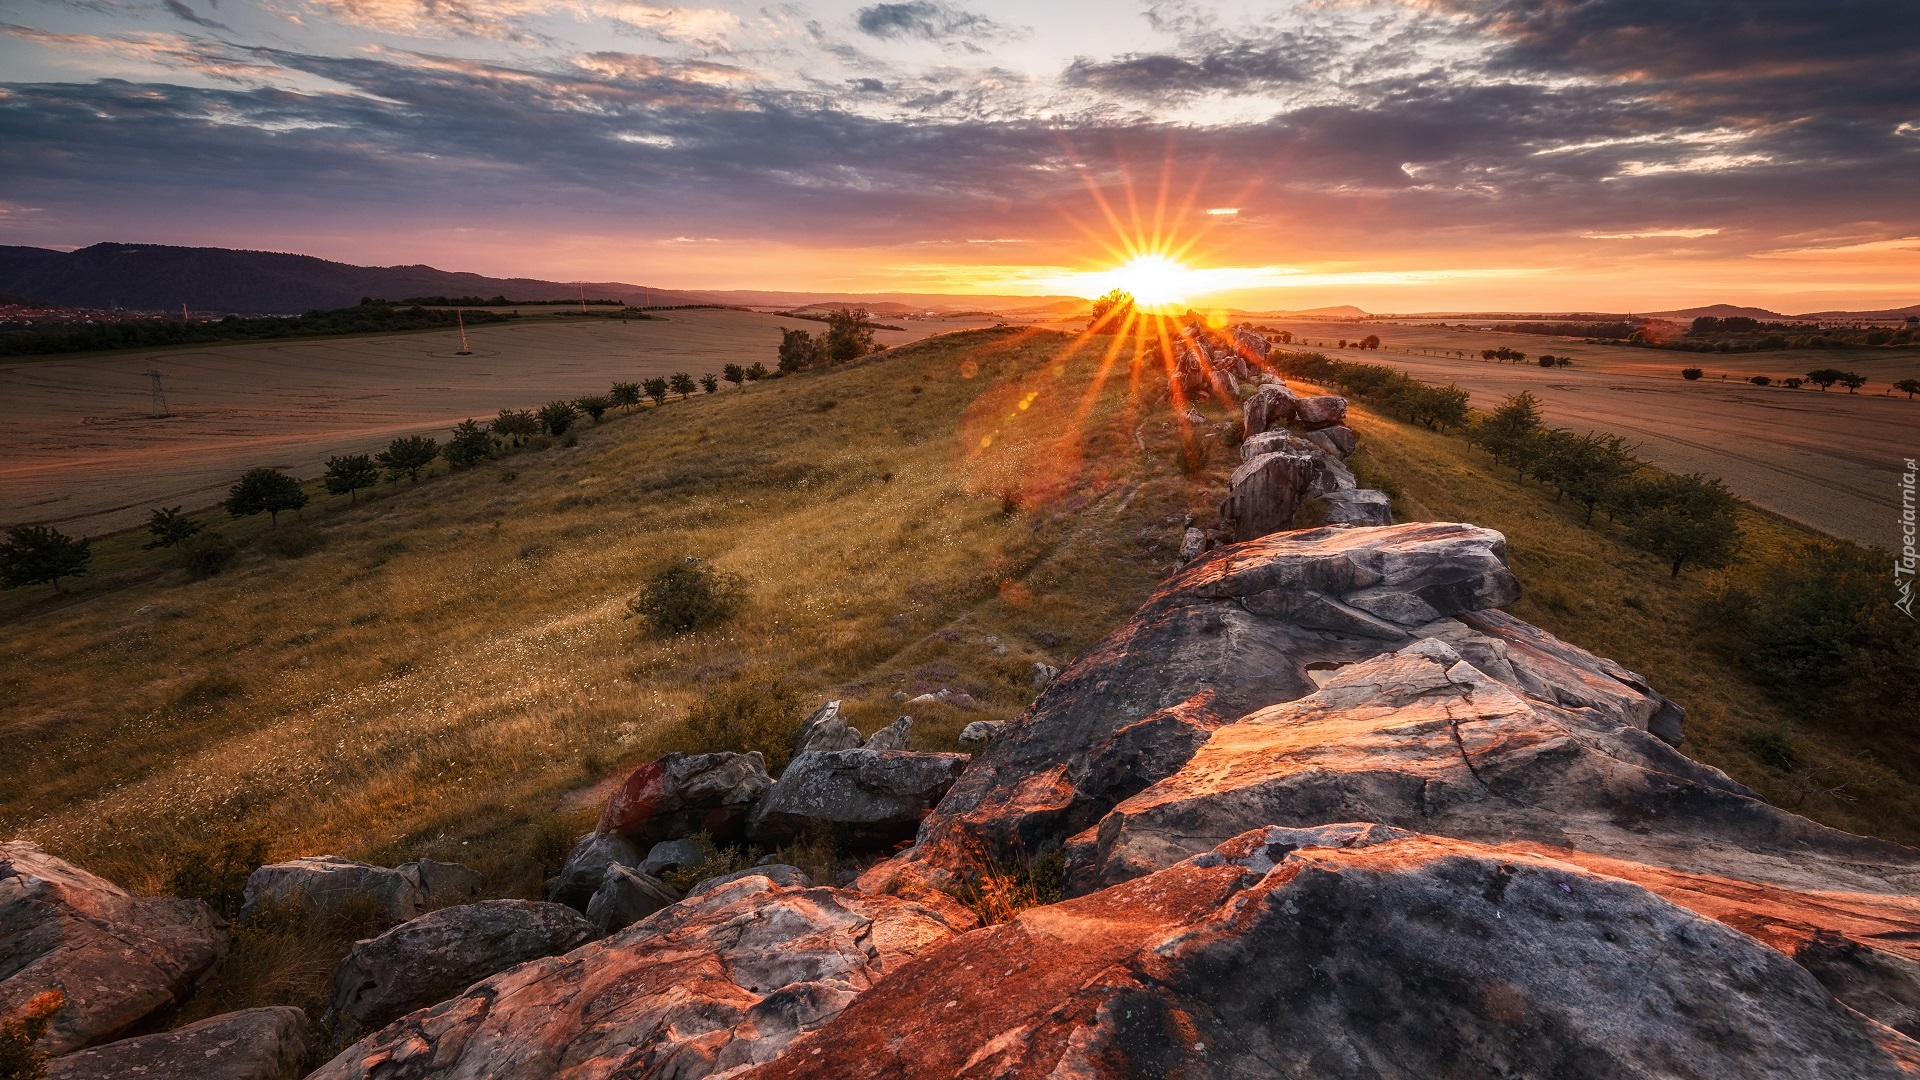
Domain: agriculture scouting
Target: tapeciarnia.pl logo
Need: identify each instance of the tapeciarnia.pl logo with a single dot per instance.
(1903, 566)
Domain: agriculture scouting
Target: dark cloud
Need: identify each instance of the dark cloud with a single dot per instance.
(928, 20)
(184, 12)
(1239, 68)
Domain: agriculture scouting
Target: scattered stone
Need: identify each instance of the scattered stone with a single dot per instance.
(586, 867)
(1043, 674)
(958, 699)
(1358, 506)
(1194, 417)
(670, 855)
(1193, 544)
(625, 897)
(1369, 953)
(779, 873)
(720, 981)
(320, 885)
(432, 958)
(894, 736)
(253, 1044)
(1321, 411)
(1266, 492)
(823, 729)
(445, 883)
(119, 958)
(1337, 440)
(682, 794)
(975, 736)
(863, 797)
(1270, 407)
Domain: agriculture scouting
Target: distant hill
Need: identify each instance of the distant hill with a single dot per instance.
(1885, 313)
(889, 303)
(154, 276)
(1720, 311)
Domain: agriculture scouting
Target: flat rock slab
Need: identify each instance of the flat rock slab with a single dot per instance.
(429, 959)
(862, 797)
(718, 981)
(253, 1044)
(321, 884)
(118, 958)
(1362, 952)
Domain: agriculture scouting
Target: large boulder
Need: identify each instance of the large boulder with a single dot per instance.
(1271, 442)
(825, 729)
(321, 885)
(445, 883)
(1423, 740)
(1332, 477)
(586, 867)
(866, 798)
(1360, 952)
(1264, 493)
(119, 959)
(682, 794)
(625, 897)
(719, 981)
(252, 1044)
(1337, 440)
(1251, 343)
(1243, 627)
(429, 959)
(1322, 411)
(670, 855)
(1269, 407)
(1358, 506)
(895, 736)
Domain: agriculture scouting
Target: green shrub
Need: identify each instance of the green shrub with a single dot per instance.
(218, 872)
(206, 554)
(293, 542)
(684, 596)
(740, 717)
(713, 862)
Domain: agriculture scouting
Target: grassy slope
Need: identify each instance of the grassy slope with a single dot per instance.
(1590, 588)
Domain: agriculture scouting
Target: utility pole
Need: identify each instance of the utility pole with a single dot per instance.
(159, 396)
(583, 297)
(183, 313)
(462, 319)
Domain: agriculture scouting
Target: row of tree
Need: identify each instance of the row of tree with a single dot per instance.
(1820, 377)
(848, 336)
(1396, 392)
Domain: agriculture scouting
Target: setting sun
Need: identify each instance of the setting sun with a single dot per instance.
(1153, 280)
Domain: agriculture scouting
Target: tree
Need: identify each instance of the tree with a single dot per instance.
(595, 405)
(469, 444)
(1825, 377)
(757, 372)
(798, 350)
(347, 475)
(1371, 341)
(1691, 374)
(1488, 354)
(1509, 433)
(1683, 519)
(1286, 337)
(734, 374)
(169, 528)
(557, 417)
(35, 553)
(625, 394)
(1793, 382)
(1852, 380)
(409, 455)
(267, 491)
(1548, 361)
(516, 424)
(656, 389)
(1115, 306)
(710, 383)
(683, 384)
(1908, 387)
(1564, 361)
(849, 335)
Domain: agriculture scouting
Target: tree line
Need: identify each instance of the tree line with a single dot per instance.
(1820, 377)
(148, 333)
(848, 336)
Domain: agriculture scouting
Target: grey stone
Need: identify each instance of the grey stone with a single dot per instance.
(1269, 442)
(1332, 477)
(1270, 407)
(1320, 411)
(1193, 543)
(625, 897)
(823, 729)
(120, 959)
(1043, 674)
(683, 794)
(432, 958)
(1358, 506)
(895, 736)
(670, 855)
(1337, 439)
(977, 735)
(862, 797)
(253, 1044)
(1266, 492)
(445, 883)
(586, 867)
(777, 873)
(322, 884)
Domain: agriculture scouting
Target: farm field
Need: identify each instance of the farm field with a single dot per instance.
(1830, 461)
(79, 450)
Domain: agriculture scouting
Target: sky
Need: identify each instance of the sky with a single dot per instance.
(1406, 155)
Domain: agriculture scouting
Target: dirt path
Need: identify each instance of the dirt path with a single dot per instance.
(78, 449)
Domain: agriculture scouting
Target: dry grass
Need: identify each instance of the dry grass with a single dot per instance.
(1590, 588)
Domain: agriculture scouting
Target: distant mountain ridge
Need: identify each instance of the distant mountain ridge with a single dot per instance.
(157, 276)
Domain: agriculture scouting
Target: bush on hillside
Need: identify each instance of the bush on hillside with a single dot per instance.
(217, 872)
(740, 717)
(294, 541)
(685, 596)
(207, 554)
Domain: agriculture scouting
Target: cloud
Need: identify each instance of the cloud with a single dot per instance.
(1646, 234)
(184, 12)
(927, 20)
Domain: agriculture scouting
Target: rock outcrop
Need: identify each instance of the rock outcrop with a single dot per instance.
(625, 897)
(895, 736)
(1265, 492)
(1358, 506)
(824, 729)
(1353, 951)
(864, 798)
(119, 959)
(429, 959)
(253, 1044)
(586, 867)
(1267, 408)
(682, 794)
(721, 980)
(323, 884)
(1321, 411)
